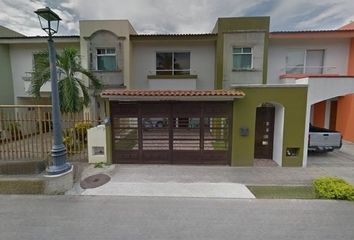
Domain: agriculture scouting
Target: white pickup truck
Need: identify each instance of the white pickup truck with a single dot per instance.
(323, 140)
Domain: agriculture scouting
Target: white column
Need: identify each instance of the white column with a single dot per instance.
(327, 114)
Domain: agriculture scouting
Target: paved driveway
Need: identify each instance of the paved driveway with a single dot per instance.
(343, 157)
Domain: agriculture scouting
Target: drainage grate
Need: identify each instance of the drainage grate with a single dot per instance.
(94, 181)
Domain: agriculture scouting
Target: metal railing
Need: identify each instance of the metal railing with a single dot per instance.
(300, 69)
(26, 133)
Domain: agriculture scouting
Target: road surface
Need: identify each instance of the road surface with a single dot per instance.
(107, 217)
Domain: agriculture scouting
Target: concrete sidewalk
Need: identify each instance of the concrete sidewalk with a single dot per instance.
(219, 174)
(172, 189)
(216, 181)
(201, 181)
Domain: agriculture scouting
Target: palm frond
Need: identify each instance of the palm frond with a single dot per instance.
(41, 72)
(94, 81)
(69, 95)
(85, 94)
(69, 86)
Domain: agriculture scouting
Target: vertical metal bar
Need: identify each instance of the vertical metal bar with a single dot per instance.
(201, 128)
(2, 127)
(22, 135)
(76, 133)
(31, 121)
(140, 133)
(41, 145)
(49, 130)
(6, 123)
(15, 130)
(3, 143)
(170, 133)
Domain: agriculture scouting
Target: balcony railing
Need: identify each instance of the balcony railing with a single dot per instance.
(27, 83)
(309, 70)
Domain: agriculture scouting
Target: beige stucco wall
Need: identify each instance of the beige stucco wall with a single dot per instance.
(202, 62)
(121, 28)
(106, 39)
(252, 39)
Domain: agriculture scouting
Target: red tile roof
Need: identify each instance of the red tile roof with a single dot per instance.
(349, 26)
(172, 93)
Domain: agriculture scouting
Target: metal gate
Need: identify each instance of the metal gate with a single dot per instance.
(171, 132)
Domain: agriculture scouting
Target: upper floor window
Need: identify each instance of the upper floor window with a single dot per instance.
(305, 61)
(173, 63)
(242, 58)
(106, 59)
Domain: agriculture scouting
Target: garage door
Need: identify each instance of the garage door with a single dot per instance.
(171, 132)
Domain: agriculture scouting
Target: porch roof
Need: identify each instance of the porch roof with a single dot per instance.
(170, 94)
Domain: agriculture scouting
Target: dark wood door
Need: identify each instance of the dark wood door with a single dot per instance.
(333, 115)
(263, 148)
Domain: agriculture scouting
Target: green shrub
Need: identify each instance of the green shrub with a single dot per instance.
(81, 130)
(333, 188)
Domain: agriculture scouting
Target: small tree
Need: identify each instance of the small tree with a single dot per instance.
(73, 93)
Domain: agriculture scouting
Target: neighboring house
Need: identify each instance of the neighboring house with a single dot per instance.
(231, 96)
(325, 61)
(19, 55)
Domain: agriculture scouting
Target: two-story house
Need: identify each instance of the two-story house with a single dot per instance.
(196, 98)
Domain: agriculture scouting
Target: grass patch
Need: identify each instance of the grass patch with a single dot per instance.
(21, 186)
(283, 192)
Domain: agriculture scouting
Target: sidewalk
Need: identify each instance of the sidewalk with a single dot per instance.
(215, 181)
(202, 181)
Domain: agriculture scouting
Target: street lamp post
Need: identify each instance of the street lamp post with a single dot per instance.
(49, 21)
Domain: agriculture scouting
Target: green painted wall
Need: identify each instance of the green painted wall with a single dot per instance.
(238, 24)
(244, 115)
(109, 131)
(6, 89)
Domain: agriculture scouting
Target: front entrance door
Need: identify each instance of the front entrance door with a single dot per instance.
(263, 148)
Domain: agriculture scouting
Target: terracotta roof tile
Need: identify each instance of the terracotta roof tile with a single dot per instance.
(349, 26)
(172, 93)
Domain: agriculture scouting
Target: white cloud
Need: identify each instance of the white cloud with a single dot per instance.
(183, 16)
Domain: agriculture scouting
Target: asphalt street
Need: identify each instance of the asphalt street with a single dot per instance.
(108, 217)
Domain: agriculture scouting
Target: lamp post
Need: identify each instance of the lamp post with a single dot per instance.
(49, 21)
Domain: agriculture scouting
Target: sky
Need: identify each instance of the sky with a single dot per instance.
(177, 16)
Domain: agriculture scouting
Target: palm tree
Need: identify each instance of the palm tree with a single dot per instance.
(73, 93)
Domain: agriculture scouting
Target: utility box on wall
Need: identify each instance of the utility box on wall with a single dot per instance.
(97, 144)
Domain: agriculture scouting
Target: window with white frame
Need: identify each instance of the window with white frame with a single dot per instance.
(173, 63)
(242, 58)
(305, 61)
(106, 59)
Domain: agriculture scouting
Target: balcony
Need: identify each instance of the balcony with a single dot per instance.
(289, 74)
(27, 84)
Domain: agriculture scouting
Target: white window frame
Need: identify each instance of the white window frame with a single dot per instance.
(304, 67)
(242, 53)
(173, 63)
(104, 55)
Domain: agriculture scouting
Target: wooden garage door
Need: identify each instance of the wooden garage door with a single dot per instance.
(171, 132)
